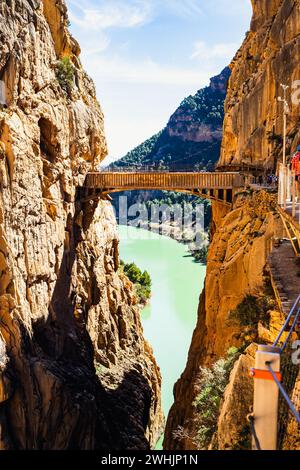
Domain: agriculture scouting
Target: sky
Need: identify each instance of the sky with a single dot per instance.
(146, 56)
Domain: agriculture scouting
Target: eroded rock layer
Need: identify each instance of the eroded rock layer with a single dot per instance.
(75, 370)
(269, 57)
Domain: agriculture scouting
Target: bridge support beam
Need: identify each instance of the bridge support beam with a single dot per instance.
(266, 398)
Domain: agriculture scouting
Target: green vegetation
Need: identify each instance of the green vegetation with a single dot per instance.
(212, 384)
(205, 107)
(140, 154)
(65, 74)
(164, 150)
(159, 198)
(253, 310)
(141, 280)
(201, 254)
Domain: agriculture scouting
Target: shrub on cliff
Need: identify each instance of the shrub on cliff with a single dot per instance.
(141, 280)
(65, 74)
(143, 293)
(212, 384)
(252, 310)
(201, 254)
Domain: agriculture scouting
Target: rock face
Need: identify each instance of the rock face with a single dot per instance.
(237, 261)
(199, 117)
(253, 115)
(75, 370)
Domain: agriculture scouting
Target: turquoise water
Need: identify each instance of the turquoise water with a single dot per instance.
(170, 319)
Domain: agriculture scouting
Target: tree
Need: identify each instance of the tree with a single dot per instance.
(145, 279)
(133, 273)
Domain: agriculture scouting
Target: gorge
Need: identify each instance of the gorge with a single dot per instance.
(76, 372)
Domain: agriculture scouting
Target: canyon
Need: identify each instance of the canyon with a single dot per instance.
(75, 369)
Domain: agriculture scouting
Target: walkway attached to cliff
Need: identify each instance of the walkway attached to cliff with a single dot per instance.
(290, 216)
(210, 185)
(284, 269)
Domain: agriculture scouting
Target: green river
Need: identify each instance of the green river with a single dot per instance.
(171, 317)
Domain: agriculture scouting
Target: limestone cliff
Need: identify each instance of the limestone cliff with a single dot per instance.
(75, 370)
(237, 269)
(268, 57)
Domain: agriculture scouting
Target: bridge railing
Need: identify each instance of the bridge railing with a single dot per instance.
(163, 180)
(156, 168)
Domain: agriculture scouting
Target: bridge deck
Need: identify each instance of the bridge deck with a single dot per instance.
(121, 181)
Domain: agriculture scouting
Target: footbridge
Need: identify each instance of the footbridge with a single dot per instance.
(210, 185)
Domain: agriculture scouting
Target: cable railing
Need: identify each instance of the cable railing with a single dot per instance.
(283, 392)
(295, 311)
(275, 411)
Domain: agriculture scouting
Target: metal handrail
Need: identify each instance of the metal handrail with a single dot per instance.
(297, 316)
(287, 321)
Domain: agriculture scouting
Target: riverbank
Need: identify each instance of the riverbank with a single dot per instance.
(173, 231)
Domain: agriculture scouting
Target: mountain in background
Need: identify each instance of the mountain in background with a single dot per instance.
(193, 134)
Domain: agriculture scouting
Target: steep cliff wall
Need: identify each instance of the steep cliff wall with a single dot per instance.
(236, 268)
(237, 271)
(253, 115)
(75, 371)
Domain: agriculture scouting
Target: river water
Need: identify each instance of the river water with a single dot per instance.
(170, 319)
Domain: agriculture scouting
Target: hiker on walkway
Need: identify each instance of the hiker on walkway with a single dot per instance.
(296, 163)
(296, 168)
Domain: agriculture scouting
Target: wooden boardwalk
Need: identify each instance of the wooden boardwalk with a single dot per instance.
(218, 186)
(291, 222)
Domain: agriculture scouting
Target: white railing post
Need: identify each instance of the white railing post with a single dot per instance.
(266, 395)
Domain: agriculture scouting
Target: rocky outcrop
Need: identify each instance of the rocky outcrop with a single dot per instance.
(75, 370)
(199, 118)
(268, 58)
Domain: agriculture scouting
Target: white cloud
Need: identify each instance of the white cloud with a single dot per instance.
(95, 45)
(117, 69)
(112, 14)
(217, 51)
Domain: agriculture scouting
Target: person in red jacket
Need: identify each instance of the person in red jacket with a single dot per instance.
(296, 163)
(295, 166)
